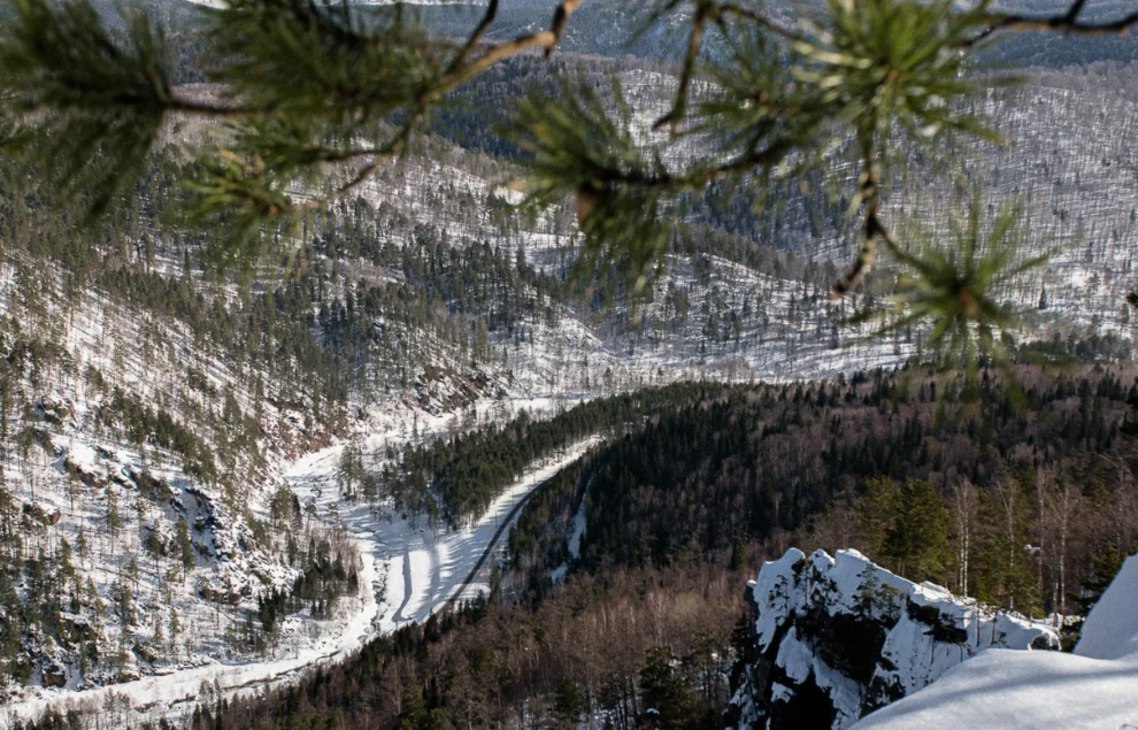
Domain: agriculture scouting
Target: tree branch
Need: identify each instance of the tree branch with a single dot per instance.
(759, 19)
(383, 156)
(703, 10)
(870, 193)
(460, 71)
(560, 18)
(1075, 9)
(546, 39)
(706, 10)
(475, 37)
(182, 105)
(698, 179)
(1068, 22)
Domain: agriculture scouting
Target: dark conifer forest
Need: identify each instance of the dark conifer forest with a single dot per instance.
(928, 473)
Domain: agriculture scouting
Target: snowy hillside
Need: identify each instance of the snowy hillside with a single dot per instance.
(747, 292)
(1096, 687)
(171, 439)
(407, 570)
(146, 425)
(371, 292)
(142, 511)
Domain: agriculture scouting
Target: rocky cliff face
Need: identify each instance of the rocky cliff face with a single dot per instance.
(1092, 687)
(838, 637)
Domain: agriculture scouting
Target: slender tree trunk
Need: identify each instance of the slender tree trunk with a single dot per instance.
(964, 497)
(1062, 607)
(1043, 483)
(1006, 492)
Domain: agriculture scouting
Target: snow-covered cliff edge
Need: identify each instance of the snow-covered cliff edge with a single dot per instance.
(838, 637)
(1096, 687)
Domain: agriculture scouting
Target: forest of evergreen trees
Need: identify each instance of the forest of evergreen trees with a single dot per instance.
(1019, 493)
(933, 477)
(457, 478)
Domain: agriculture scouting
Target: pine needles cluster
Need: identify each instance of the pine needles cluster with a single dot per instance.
(316, 97)
(72, 87)
(956, 286)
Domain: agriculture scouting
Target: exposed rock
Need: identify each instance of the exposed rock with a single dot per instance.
(54, 673)
(38, 515)
(1093, 687)
(840, 637)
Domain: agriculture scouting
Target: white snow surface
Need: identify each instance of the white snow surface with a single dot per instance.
(912, 655)
(1111, 628)
(1096, 687)
(558, 574)
(579, 524)
(409, 571)
(420, 568)
(1018, 690)
(794, 656)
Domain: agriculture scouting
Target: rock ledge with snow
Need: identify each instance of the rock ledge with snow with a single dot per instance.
(1095, 687)
(838, 637)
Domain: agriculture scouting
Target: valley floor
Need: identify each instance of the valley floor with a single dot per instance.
(409, 568)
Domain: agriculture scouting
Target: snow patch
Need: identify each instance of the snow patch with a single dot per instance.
(864, 635)
(1096, 687)
(1111, 628)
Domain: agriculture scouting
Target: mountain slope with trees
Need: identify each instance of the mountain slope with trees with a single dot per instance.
(159, 367)
(638, 630)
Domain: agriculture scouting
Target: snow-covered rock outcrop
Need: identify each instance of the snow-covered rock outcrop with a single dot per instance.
(838, 637)
(1096, 687)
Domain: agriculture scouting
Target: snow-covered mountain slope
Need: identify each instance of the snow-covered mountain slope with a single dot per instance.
(139, 470)
(408, 570)
(143, 453)
(1096, 687)
(840, 636)
(728, 305)
(751, 303)
(144, 433)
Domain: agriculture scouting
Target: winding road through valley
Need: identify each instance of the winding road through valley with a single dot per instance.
(410, 571)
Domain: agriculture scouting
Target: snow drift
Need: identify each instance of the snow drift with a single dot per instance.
(1096, 687)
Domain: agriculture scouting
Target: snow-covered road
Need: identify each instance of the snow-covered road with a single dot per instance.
(418, 568)
(408, 569)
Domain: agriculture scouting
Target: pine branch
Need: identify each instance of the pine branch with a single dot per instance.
(86, 107)
(869, 192)
(381, 158)
(459, 72)
(189, 107)
(475, 37)
(1067, 23)
(560, 20)
(308, 83)
(703, 11)
(763, 21)
(495, 53)
(955, 287)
